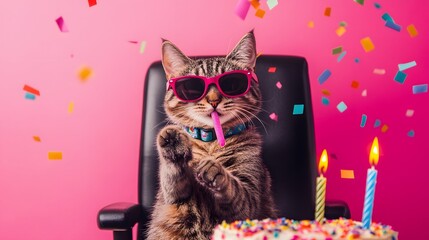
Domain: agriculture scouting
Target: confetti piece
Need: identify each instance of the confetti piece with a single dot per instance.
(272, 69)
(31, 90)
(55, 155)
(361, 2)
(405, 66)
(392, 25)
(342, 107)
(422, 88)
(341, 56)
(272, 3)
(377, 5)
(409, 113)
(61, 24)
(255, 4)
(386, 17)
(310, 24)
(279, 85)
(274, 117)
(377, 123)
(30, 96)
(400, 77)
(37, 138)
(326, 92)
(357, 60)
(355, 84)
(337, 50)
(367, 44)
(364, 93)
(384, 128)
(340, 31)
(92, 2)
(343, 24)
(84, 73)
(379, 71)
(71, 107)
(324, 76)
(260, 13)
(298, 109)
(325, 101)
(142, 46)
(411, 133)
(412, 30)
(327, 11)
(242, 8)
(333, 155)
(133, 42)
(347, 174)
(363, 120)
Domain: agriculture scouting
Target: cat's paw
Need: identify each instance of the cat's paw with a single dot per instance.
(174, 145)
(211, 174)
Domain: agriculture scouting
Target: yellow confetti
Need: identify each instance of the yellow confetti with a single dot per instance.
(55, 155)
(310, 24)
(347, 174)
(37, 138)
(384, 128)
(260, 13)
(340, 31)
(71, 107)
(367, 44)
(412, 30)
(85, 73)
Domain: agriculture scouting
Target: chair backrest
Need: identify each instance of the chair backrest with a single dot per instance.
(289, 145)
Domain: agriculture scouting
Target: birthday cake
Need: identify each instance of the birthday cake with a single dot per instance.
(285, 229)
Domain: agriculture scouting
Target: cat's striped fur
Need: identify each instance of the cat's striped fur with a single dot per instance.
(201, 183)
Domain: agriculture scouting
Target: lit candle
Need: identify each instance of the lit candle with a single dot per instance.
(371, 180)
(321, 187)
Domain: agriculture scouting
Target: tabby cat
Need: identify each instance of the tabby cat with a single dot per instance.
(201, 182)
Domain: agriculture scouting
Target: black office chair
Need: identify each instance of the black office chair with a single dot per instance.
(288, 150)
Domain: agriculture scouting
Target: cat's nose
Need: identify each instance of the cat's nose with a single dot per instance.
(214, 102)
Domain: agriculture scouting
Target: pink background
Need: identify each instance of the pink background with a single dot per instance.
(44, 199)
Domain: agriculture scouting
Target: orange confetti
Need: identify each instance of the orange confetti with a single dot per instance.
(272, 69)
(255, 4)
(260, 13)
(31, 90)
(37, 138)
(347, 174)
(84, 73)
(367, 44)
(326, 92)
(340, 31)
(310, 24)
(412, 30)
(327, 11)
(355, 84)
(384, 128)
(55, 155)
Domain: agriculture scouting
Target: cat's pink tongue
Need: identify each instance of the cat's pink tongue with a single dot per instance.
(218, 129)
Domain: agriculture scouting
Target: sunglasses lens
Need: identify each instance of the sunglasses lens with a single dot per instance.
(189, 88)
(234, 84)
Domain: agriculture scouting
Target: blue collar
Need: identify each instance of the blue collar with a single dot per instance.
(208, 135)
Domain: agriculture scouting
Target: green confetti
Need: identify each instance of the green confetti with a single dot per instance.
(361, 2)
(325, 101)
(337, 50)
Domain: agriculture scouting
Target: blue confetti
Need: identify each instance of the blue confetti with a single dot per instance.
(324, 76)
(400, 77)
(30, 96)
(411, 133)
(393, 26)
(377, 5)
(357, 60)
(341, 107)
(298, 109)
(422, 88)
(341, 56)
(325, 101)
(363, 120)
(386, 17)
(405, 66)
(377, 123)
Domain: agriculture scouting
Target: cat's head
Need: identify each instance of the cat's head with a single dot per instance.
(232, 110)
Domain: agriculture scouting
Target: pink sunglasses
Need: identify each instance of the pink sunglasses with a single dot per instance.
(230, 84)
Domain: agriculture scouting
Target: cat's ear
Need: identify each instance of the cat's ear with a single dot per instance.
(173, 60)
(245, 51)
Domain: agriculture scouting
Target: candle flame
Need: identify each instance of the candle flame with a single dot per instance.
(323, 163)
(375, 152)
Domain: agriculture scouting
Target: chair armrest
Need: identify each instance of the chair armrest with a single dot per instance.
(336, 209)
(120, 216)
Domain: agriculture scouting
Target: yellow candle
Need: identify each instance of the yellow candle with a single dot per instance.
(321, 187)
